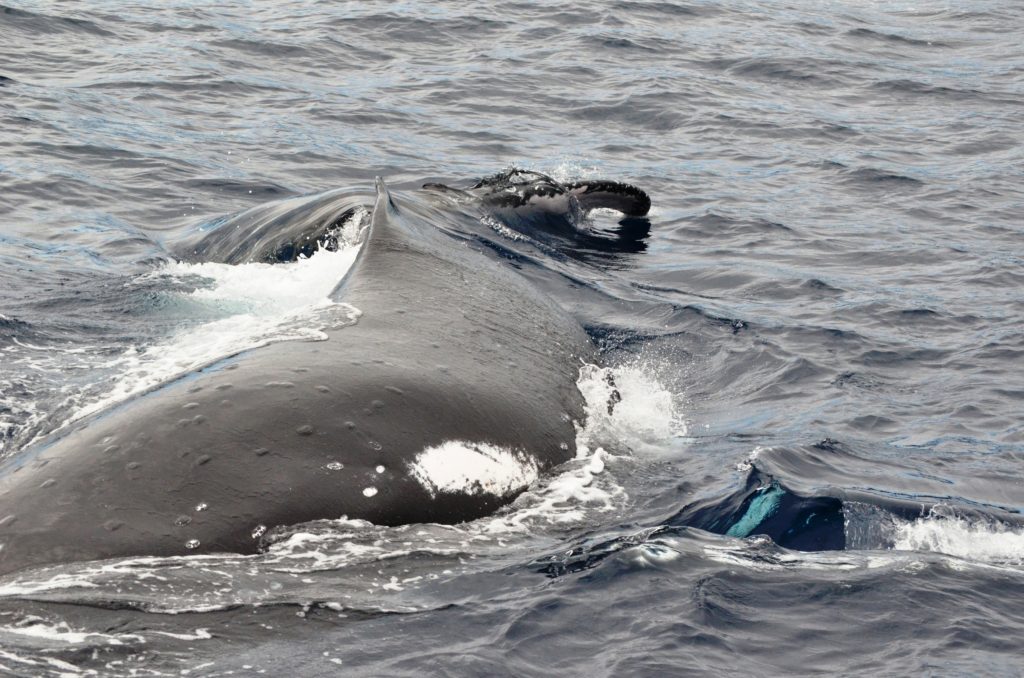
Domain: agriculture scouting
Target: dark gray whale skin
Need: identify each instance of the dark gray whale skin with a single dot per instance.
(450, 346)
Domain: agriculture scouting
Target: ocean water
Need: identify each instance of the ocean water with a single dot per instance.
(815, 468)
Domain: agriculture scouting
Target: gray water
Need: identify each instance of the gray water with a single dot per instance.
(830, 297)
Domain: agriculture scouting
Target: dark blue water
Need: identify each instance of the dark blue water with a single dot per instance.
(815, 468)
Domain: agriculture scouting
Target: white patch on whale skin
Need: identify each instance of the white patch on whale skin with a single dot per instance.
(458, 466)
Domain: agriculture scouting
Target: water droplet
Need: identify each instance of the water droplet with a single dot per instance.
(203, 459)
(334, 466)
(132, 465)
(8, 520)
(259, 531)
(380, 469)
(563, 446)
(192, 544)
(113, 525)
(304, 430)
(260, 451)
(202, 506)
(49, 483)
(374, 445)
(369, 491)
(181, 521)
(190, 406)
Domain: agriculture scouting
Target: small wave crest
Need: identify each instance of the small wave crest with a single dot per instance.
(943, 531)
(940, 536)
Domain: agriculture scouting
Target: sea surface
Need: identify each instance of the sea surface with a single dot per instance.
(815, 467)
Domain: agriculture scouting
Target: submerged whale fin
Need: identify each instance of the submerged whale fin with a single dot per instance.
(625, 198)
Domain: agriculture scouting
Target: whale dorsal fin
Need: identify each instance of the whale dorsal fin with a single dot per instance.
(389, 228)
(384, 200)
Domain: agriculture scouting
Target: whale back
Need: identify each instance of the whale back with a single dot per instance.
(453, 390)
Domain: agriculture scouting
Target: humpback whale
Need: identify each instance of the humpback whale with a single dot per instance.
(452, 391)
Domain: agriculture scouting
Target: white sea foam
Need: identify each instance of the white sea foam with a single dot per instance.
(259, 304)
(569, 169)
(200, 634)
(748, 463)
(883, 540)
(61, 632)
(247, 306)
(644, 415)
(978, 540)
(643, 420)
(64, 668)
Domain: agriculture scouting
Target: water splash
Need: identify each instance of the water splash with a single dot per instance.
(978, 540)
